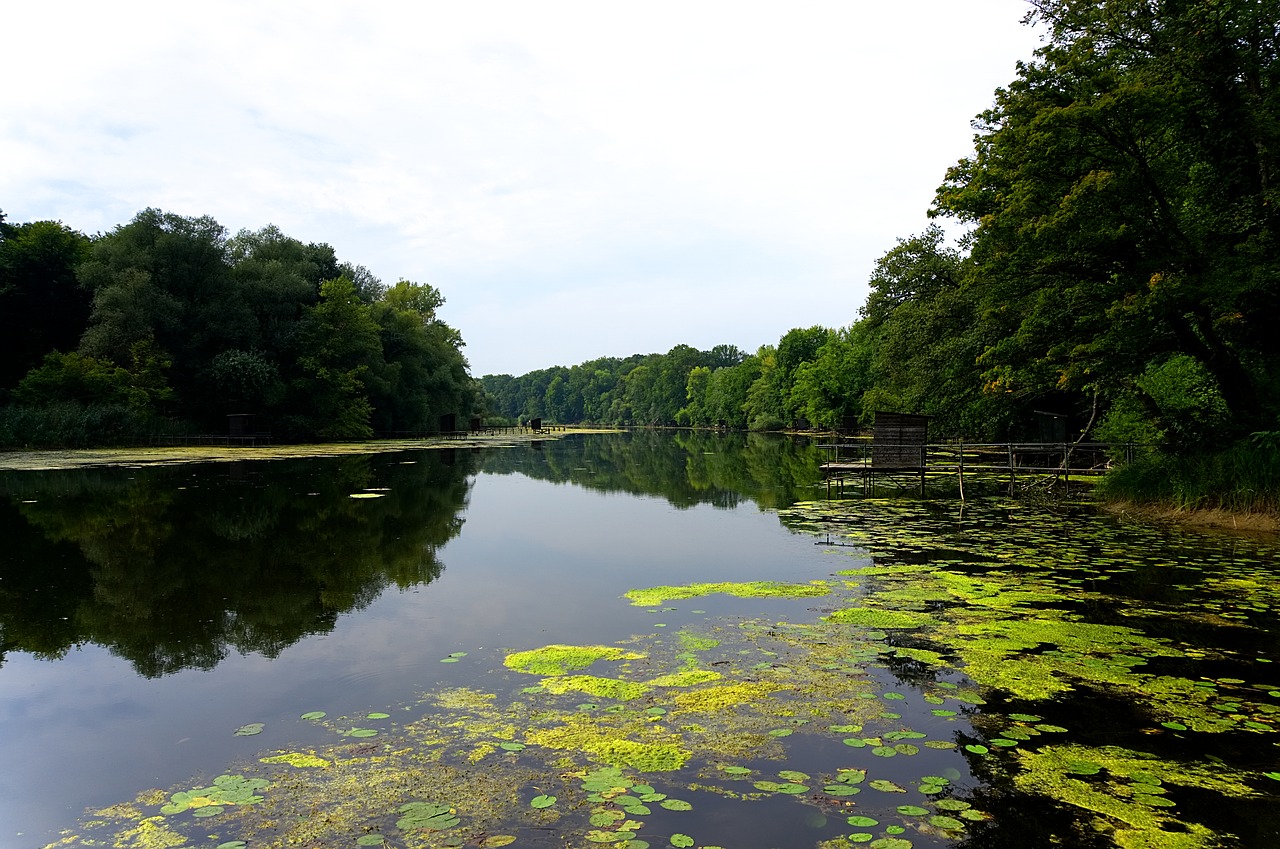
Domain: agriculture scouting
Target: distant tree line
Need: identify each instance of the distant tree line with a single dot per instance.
(1123, 266)
(168, 324)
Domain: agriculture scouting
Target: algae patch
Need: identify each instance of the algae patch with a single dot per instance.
(654, 596)
(560, 659)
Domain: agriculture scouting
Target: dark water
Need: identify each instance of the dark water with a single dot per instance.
(147, 613)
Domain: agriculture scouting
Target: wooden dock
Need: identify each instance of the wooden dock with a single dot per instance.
(857, 459)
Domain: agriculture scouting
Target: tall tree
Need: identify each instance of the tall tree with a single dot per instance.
(42, 306)
(1125, 196)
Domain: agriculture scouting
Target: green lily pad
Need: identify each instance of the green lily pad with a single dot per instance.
(1025, 717)
(792, 789)
(542, 801)
(314, 714)
(362, 732)
(207, 811)
(780, 732)
(861, 837)
(1174, 726)
(952, 805)
(885, 786)
(512, 747)
(379, 716)
(735, 770)
(841, 790)
(891, 843)
(250, 729)
(912, 810)
(946, 823)
(681, 841)
(862, 822)
(675, 805)
(976, 749)
(369, 840)
(426, 815)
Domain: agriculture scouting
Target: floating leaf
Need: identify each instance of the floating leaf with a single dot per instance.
(894, 696)
(314, 714)
(885, 786)
(976, 749)
(1272, 775)
(912, 810)
(428, 815)
(367, 840)
(951, 805)
(512, 747)
(681, 841)
(542, 801)
(780, 732)
(736, 770)
(945, 822)
(1051, 729)
(841, 790)
(379, 716)
(862, 822)
(362, 732)
(250, 729)
(884, 751)
(793, 775)
(943, 713)
(232, 844)
(1024, 717)
(906, 749)
(792, 789)
(1174, 726)
(891, 843)
(855, 742)
(676, 805)
(861, 837)
(494, 841)
(207, 811)
(1003, 743)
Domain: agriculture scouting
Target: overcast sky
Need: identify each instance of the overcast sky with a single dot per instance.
(579, 179)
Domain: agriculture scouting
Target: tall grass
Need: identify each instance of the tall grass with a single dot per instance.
(70, 425)
(1242, 479)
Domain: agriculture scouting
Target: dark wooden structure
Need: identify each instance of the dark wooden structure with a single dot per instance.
(898, 441)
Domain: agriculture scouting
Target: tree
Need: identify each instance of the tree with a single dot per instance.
(42, 306)
(338, 345)
(1125, 196)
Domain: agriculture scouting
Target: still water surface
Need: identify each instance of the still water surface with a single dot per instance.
(146, 614)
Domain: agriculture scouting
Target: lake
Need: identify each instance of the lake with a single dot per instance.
(634, 640)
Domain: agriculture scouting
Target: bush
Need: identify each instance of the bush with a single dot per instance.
(1245, 478)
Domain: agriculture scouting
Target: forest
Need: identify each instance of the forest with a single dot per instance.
(166, 325)
(1119, 264)
(1118, 267)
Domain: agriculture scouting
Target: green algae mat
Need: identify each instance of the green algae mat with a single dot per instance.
(993, 674)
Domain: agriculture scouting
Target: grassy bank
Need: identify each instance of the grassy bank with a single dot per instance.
(1242, 481)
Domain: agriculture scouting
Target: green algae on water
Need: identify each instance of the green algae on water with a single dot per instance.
(654, 596)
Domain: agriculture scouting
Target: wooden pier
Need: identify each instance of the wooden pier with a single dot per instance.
(857, 459)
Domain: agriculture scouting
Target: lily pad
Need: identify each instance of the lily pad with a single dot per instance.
(675, 805)
(885, 786)
(862, 822)
(251, 729)
(681, 841)
(542, 801)
(426, 815)
(369, 840)
(314, 715)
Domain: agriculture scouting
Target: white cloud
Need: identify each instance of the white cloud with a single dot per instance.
(746, 162)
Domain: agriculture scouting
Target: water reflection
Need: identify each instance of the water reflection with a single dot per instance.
(173, 567)
(684, 467)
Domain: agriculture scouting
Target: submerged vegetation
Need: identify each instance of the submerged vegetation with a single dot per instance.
(953, 679)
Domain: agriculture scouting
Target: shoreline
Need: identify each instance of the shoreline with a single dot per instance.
(1215, 519)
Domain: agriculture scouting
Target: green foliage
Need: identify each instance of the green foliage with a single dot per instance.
(42, 307)
(188, 322)
(1243, 478)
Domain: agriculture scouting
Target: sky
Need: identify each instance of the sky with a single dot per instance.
(579, 179)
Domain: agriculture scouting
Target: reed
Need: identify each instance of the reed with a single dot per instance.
(1244, 478)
